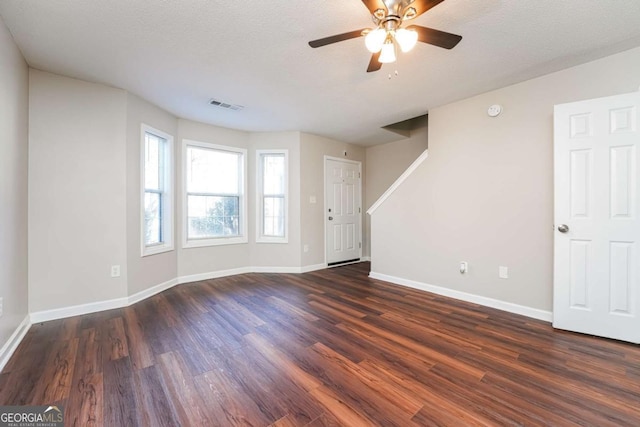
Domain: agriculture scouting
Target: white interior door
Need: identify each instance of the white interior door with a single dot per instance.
(342, 211)
(597, 231)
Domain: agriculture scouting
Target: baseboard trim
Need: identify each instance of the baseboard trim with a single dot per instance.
(77, 310)
(137, 297)
(213, 275)
(13, 342)
(286, 270)
(93, 307)
(365, 259)
(314, 267)
(534, 313)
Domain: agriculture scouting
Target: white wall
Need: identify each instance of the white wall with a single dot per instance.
(14, 114)
(485, 193)
(149, 271)
(385, 163)
(77, 191)
(276, 254)
(313, 148)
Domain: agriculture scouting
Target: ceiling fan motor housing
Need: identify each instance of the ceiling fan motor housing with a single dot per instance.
(397, 11)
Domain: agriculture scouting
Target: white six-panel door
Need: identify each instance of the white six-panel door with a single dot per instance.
(342, 215)
(597, 230)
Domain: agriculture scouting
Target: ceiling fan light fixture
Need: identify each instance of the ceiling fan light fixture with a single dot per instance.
(375, 39)
(407, 39)
(410, 13)
(388, 53)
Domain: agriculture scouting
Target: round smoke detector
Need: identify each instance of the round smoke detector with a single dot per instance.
(494, 110)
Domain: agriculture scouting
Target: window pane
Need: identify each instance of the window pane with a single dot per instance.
(212, 171)
(152, 218)
(273, 216)
(273, 173)
(153, 161)
(211, 216)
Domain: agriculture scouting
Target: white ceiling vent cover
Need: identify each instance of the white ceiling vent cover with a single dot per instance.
(225, 105)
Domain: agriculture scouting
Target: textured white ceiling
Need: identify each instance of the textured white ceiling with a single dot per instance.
(178, 54)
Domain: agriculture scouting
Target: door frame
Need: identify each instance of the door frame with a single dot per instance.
(325, 221)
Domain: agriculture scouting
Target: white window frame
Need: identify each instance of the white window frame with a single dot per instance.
(167, 194)
(260, 237)
(243, 209)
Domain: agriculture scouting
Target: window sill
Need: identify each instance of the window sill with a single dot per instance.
(279, 240)
(155, 250)
(221, 241)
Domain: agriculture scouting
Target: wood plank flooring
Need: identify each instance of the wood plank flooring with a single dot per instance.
(328, 348)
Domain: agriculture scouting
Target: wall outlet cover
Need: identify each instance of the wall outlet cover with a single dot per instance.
(115, 271)
(503, 272)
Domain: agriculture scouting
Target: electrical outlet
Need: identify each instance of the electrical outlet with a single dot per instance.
(503, 272)
(115, 271)
(305, 248)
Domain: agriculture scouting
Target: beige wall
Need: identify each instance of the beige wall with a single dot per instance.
(276, 254)
(14, 114)
(385, 163)
(84, 172)
(77, 191)
(192, 261)
(149, 271)
(485, 193)
(313, 148)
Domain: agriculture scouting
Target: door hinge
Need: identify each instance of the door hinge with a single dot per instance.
(360, 245)
(359, 210)
(359, 175)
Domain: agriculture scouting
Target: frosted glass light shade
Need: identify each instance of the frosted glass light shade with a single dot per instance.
(375, 39)
(407, 39)
(388, 53)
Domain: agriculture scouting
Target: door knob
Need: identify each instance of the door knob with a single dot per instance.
(330, 218)
(563, 228)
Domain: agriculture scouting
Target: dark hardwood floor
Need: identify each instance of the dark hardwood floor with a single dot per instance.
(327, 348)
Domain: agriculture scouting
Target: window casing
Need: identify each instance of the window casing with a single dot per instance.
(214, 194)
(272, 170)
(156, 191)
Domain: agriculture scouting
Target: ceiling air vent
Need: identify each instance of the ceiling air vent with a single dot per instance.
(225, 105)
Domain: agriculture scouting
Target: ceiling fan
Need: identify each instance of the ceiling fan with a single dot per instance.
(389, 16)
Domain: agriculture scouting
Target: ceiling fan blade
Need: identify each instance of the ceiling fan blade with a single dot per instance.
(337, 38)
(374, 5)
(374, 64)
(421, 6)
(436, 37)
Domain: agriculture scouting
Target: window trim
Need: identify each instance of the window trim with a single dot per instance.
(167, 205)
(243, 208)
(260, 237)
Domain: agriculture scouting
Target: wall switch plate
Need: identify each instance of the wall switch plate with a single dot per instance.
(305, 248)
(464, 267)
(312, 199)
(1, 306)
(115, 271)
(503, 272)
